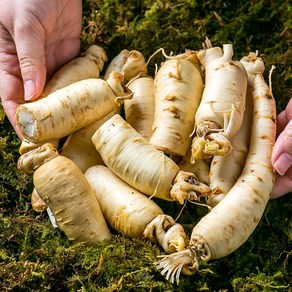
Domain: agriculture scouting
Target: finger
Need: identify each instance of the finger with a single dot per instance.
(11, 91)
(10, 107)
(30, 47)
(284, 117)
(282, 186)
(281, 122)
(11, 86)
(282, 152)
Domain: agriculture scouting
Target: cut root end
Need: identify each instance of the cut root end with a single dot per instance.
(187, 186)
(178, 243)
(209, 146)
(30, 161)
(27, 123)
(167, 233)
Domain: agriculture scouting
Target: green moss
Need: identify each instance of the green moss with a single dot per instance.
(260, 282)
(36, 257)
(178, 25)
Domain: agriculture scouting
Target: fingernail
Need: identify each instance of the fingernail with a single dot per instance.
(29, 89)
(283, 162)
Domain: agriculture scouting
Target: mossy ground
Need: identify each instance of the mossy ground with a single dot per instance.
(36, 257)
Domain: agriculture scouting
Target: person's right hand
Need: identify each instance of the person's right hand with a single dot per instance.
(37, 37)
(282, 153)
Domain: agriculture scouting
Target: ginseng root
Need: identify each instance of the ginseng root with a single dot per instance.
(132, 213)
(71, 108)
(178, 88)
(64, 189)
(142, 166)
(220, 113)
(230, 223)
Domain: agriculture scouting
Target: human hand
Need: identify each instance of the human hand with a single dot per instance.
(37, 37)
(282, 153)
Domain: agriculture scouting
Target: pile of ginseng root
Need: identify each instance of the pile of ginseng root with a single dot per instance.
(200, 130)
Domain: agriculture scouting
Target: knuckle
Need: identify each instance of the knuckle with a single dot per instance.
(27, 64)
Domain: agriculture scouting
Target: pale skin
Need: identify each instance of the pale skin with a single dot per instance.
(282, 153)
(37, 37)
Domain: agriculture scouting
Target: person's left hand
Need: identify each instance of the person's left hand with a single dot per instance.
(37, 37)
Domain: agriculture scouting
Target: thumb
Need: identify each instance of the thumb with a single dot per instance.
(30, 47)
(282, 152)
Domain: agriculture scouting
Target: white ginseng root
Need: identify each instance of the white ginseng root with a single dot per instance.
(79, 148)
(142, 166)
(225, 170)
(231, 222)
(64, 189)
(201, 167)
(178, 87)
(139, 110)
(135, 66)
(131, 64)
(116, 63)
(253, 65)
(27, 146)
(133, 214)
(220, 114)
(87, 65)
(71, 108)
(37, 203)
